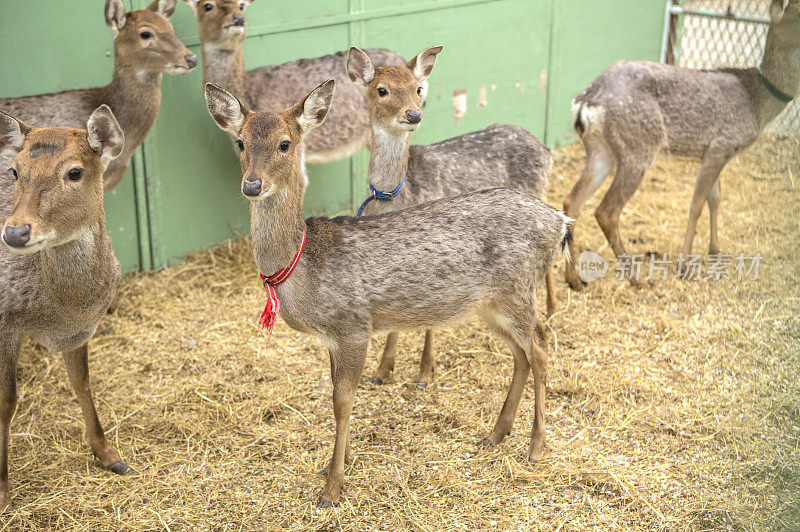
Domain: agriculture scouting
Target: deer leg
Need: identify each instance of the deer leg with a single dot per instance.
(600, 163)
(505, 420)
(348, 362)
(386, 365)
(9, 351)
(707, 177)
(552, 303)
(78, 371)
(426, 361)
(537, 358)
(629, 177)
(713, 211)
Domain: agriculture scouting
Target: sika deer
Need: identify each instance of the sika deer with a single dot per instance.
(435, 263)
(57, 270)
(145, 46)
(633, 110)
(500, 155)
(222, 31)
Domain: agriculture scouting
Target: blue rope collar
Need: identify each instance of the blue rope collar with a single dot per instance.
(381, 196)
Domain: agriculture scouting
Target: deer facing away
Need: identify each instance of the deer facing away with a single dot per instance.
(145, 46)
(58, 272)
(222, 26)
(500, 155)
(421, 267)
(633, 110)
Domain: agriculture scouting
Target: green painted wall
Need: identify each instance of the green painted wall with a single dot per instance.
(182, 192)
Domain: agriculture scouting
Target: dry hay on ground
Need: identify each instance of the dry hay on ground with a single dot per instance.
(672, 408)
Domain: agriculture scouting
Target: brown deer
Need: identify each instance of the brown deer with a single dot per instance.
(633, 110)
(498, 156)
(145, 46)
(345, 278)
(223, 27)
(57, 270)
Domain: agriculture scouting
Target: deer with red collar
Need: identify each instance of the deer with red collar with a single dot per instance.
(636, 109)
(145, 46)
(58, 272)
(344, 278)
(400, 175)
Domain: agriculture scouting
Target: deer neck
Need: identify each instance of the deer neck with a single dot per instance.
(388, 158)
(781, 66)
(135, 98)
(224, 68)
(71, 270)
(276, 226)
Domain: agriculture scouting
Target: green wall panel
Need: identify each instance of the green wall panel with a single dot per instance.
(182, 193)
(588, 36)
(41, 54)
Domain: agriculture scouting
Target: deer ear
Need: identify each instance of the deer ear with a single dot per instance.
(115, 16)
(422, 65)
(192, 4)
(226, 110)
(359, 67)
(104, 134)
(12, 135)
(312, 110)
(165, 8)
(776, 9)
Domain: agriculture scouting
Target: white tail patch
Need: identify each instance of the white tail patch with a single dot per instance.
(591, 118)
(566, 236)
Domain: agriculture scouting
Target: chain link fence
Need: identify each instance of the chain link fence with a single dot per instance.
(715, 33)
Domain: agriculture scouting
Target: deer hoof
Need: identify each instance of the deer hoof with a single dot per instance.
(376, 380)
(323, 503)
(324, 471)
(421, 385)
(120, 468)
(5, 502)
(576, 284)
(486, 442)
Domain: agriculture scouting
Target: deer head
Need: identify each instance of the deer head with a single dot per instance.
(58, 173)
(268, 141)
(221, 22)
(785, 25)
(394, 93)
(144, 40)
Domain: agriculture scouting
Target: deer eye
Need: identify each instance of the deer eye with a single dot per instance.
(241, 6)
(419, 91)
(208, 7)
(75, 174)
(14, 173)
(284, 146)
(240, 144)
(382, 92)
(145, 35)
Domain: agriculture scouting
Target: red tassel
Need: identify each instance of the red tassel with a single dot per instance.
(274, 306)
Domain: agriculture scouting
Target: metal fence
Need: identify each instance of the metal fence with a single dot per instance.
(714, 33)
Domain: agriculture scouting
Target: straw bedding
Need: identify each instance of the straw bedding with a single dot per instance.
(670, 408)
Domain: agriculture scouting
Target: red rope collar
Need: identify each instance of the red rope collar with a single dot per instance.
(273, 307)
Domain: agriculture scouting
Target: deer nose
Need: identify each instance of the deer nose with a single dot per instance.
(17, 237)
(251, 188)
(191, 60)
(414, 117)
(237, 19)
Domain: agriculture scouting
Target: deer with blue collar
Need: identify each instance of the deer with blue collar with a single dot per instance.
(345, 278)
(401, 175)
(636, 109)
